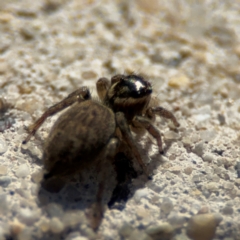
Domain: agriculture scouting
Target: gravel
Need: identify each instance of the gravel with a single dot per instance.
(189, 51)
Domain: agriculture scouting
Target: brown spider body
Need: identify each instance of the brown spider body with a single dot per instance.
(88, 133)
(73, 142)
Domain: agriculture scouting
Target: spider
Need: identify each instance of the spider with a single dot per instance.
(90, 131)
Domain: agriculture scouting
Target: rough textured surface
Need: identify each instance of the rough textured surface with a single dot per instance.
(189, 50)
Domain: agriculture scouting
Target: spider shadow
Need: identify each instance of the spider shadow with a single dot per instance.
(78, 194)
(71, 200)
(75, 192)
(126, 171)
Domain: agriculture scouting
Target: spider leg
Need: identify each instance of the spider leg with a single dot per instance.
(127, 136)
(103, 85)
(162, 112)
(79, 95)
(146, 123)
(125, 172)
(95, 213)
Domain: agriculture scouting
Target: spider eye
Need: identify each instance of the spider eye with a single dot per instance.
(133, 86)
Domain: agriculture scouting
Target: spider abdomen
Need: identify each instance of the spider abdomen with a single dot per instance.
(78, 137)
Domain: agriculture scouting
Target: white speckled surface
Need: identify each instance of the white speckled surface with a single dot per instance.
(190, 52)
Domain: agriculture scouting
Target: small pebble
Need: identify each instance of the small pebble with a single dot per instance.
(175, 169)
(80, 238)
(166, 205)
(54, 210)
(195, 137)
(177, 220)
(206, 193)
(28, 216)
(201, 117)
(142, 213)
(61, 85)
(212, 187)
(181, 236)
(3, 146)
(203, 226)
(197, 178)
(136, 234)
(3, 170)
(72, 218)
(73, 235)
(199, 148)
(56, 226)
(186, 140)
(125, 230)
(179, 81)
(141, 193)
(196, 193)
(89, 75)
(228, 209)
(4, 204)
(237, 182)
(22, 171)
(208, 135)
(6, 17)
(27, 33)
(151, 6)
(3, 67)
(160, 231)
(228, 162)
(221, 119)
(170, 135)
(23, 193)
(43, 224)
(188, 170)
(208, 157)
(37, 176)
(4, 181)
(203, 210)
(87, 231)
(215, 178)
(228, 185)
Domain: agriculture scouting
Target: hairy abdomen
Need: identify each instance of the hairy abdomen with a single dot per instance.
(78, 137)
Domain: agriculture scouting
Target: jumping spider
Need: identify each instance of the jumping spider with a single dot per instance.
(90, 131)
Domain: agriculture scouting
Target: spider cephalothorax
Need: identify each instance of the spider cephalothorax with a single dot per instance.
(129, 94)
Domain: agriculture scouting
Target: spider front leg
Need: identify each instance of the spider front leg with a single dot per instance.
(127, 136)
(146, 123)
(103, 85)
(162, 112)
(80, 95)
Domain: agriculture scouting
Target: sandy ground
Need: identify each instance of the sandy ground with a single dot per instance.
(189, 51)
